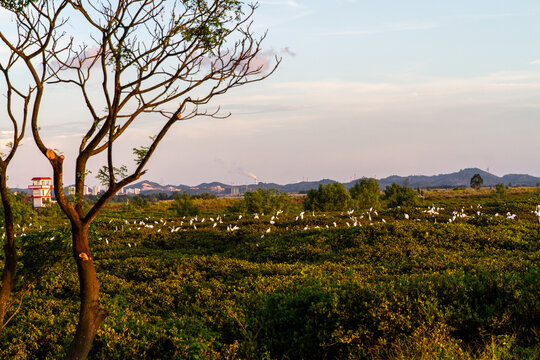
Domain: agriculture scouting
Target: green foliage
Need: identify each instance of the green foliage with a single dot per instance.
(404, 289)
(366, 194)
(139, 202)
(500, 190)
(14, 5)
(265, 201)
(140, 153)
(118, 173)
(51, 213)
(238, 206)
(212, 32)
(23, 212)
(397, 195)
(476, 181)
(135, 203)
(332, 197)
(183, 205)
(43, 249)
(204, 196)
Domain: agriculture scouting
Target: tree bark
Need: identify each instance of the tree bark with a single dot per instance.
(8, 276)
(10, 262)
(91, 316)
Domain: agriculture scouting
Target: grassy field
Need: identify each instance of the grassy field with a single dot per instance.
(457, 277)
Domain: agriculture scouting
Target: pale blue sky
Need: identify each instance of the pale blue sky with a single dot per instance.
(366, 88)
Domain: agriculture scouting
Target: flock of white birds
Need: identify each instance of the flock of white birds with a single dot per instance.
(346, 219)
(231, 223)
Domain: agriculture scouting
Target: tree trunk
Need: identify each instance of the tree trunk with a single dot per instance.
(10, 262)
(91, 316)
(8, 276)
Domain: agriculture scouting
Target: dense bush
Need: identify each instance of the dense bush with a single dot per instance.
(139, 203)
(366, 194)
(204, 196)
(265, 201)
(400, 289)
(183, 205)
(500, 190)
(21, 206)
(397, 195)
(332, 197)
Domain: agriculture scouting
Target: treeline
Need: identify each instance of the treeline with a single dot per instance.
(365, 194)
(147, 198)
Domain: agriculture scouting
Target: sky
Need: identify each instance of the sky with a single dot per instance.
(365, 88)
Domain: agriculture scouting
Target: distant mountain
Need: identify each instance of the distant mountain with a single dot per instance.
(461, 178)
(520, 179)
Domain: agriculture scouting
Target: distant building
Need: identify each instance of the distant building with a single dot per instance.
(132, 191)
(95, 190)
(41, 191)
(235, 191)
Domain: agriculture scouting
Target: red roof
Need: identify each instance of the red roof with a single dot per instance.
(41, 178)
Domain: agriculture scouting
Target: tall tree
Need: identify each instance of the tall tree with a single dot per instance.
(18, 121)
(157, 59)
(21, 101)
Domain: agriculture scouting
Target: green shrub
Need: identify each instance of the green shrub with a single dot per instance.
(332, 197)
(366, 194)
(183, 205)
(23, 212)
(265, 201)
(397, 195)
(404, 289)
(500, 190)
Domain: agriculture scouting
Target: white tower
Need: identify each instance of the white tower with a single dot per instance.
(41, 191)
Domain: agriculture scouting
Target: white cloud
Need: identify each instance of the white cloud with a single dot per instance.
(490, 83)
(535, 62)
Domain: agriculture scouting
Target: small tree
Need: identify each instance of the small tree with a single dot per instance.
(139, 203)
(500, 190)
(332, 197)
(476, 181)
(397, 195)
(265, 201)
(183, 205)
(366, 194)
(151, 58)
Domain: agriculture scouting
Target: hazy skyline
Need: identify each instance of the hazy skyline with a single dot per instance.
(365, 88)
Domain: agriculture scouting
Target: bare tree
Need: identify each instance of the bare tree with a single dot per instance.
(18, 122)
(20, 104)
(158, 59)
